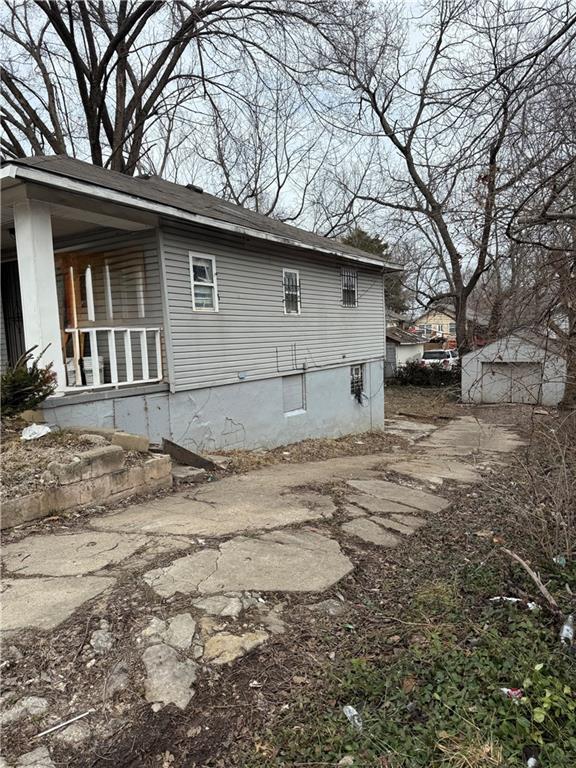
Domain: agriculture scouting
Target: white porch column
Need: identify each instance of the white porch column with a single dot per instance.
(36, 268)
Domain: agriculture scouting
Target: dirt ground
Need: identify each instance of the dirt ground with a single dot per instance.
(239, 713)
(319, 449)
(424, 403)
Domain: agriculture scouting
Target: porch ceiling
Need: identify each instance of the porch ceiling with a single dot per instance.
(71, 214)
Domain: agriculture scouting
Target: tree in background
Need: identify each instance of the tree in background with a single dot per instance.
(440, 99)
(125, 83)
(394, 291)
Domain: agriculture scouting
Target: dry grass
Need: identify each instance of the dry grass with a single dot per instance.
(424, 403)
(542, 496)
(318, 449)
(457, 753)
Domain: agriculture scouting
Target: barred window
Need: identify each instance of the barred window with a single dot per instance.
(349, 288)
(357, 381)
(292, 303)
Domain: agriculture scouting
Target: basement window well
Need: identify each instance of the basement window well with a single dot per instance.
(294, 394)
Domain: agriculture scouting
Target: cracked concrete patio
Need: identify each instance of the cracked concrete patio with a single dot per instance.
(272, 498)
(227, 546)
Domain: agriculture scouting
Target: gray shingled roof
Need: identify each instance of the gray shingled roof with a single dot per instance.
(157, 190)
(403, 337)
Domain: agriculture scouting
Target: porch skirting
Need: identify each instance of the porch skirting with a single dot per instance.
(250, 414)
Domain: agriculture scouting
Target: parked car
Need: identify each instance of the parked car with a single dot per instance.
(447, 358)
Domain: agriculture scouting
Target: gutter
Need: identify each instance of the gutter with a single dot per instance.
(93, 190)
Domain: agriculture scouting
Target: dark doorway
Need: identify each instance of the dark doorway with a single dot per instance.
(12, 309)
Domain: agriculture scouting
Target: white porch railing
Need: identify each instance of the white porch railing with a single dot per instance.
(114, 359)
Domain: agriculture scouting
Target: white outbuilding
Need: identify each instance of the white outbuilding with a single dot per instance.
(401, 347)
(515, 369)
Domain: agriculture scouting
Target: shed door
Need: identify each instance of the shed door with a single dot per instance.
(511, 382)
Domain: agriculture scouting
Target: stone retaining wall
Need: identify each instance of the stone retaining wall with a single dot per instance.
(95, 477)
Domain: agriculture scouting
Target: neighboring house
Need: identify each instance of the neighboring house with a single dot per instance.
(170, 312)
(401, 348)
(441, 321)
(518, 368)
(435, 322)
(396, 320)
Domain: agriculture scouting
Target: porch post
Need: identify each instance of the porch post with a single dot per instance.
(37, 271)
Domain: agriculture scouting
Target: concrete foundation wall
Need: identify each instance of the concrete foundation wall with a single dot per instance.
(249, 414)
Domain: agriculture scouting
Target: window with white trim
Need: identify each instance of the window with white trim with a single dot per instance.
(291, 281)
(349, 279)
(203, 279)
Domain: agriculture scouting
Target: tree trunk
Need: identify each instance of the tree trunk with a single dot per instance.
(462, 331)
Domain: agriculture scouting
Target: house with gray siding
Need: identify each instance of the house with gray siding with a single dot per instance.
(167, 311)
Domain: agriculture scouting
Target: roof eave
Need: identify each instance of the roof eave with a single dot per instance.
(14, 171)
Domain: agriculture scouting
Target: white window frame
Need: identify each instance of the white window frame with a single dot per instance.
(214, 284)
(297, 273)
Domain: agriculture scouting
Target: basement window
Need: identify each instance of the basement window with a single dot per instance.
(349, 279)
(357, 381)
(294, 394)
(203, 278)
(291, 280)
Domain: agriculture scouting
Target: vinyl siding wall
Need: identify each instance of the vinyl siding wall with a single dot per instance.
(251, 337)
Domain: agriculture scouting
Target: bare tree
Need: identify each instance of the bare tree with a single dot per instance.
(440, 105)
(543, 216)
(111, 80)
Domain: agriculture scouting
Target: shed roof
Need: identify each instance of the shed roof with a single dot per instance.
(402, 337)
(210, 210)
(543, 341)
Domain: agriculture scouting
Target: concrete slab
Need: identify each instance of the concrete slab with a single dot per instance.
(376, 505)
(407, 425)
(184, 574)
(412, 520)
(224, 647)
(281, 561)
(156, 547)
(68, 554)
(468, 435)
(393, 525)
(352, 511)
(371, 532)
(436, 470)
(401, 494)
(169, 680)
(226, 507)
(45, 603)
